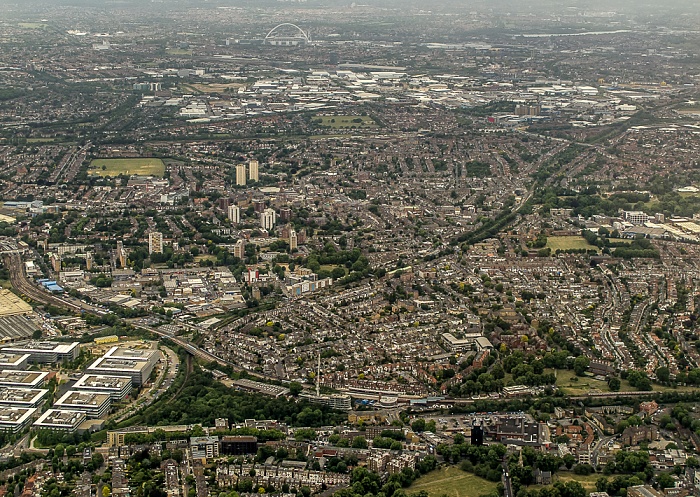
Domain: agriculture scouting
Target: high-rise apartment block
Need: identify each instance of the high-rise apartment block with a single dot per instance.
(234, 214)
(268, 219)
(253, 170)
(240, 175)
(155, 242)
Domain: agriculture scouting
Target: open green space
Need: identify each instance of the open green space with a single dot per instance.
(587, 481)
(453, 482)
(581, 385)
(569, 243)
(344, 122)
(142, 166)
(178, 51)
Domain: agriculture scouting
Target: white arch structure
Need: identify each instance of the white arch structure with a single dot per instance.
(301, 31)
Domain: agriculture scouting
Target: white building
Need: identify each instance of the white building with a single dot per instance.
(94, 404)
(45, 352)
(234, 214)
(60, 420)
(14, 419)
(138, 364)
(22, 397)
(118, 387)
(637, 218)
(268, 218)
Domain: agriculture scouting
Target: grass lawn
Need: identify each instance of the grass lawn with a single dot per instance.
(331, 267)
(588, 482)
(343, 122)
(207, 257)
(569, 243)
(575, 385)
(453, 482)
(144, 166)
(583, 385)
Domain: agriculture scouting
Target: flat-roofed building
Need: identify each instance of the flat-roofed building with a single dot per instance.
(204, 447)
(15, 419)
(9, 360)
(25, 379)
(136, 370)
(138, 364)
(118, 387)
(60, 420)
(94, 404)
(239, 445)
(22, 397)
(454, 344)
(45, 352)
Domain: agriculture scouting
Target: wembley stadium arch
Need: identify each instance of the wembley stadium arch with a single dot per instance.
(287, 35)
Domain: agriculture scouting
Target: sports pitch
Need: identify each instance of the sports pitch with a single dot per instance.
(143, 166)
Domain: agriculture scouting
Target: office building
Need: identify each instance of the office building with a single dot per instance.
(15, 419)
(204, 447)
(95, 405)
(234, 214)
(268, 219)
(336, 401)
(22, 397)
(118, 387)
(138, 364)
(240, 175)
(155, 242)
(44, 352)
(253, 170)
(60, 420)
(22, 379)
(13, 361)
(637, 218)
(239, 446)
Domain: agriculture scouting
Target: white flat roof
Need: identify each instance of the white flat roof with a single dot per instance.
(60, 418)
(22, 378)
(15, 415)
(19, 396)
(76, 398)
(42, 346)
(106, 382)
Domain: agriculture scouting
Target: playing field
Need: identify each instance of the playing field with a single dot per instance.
(344, 122)
(568, 243)
(453, 482)
(144, 166)
(575, 385)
